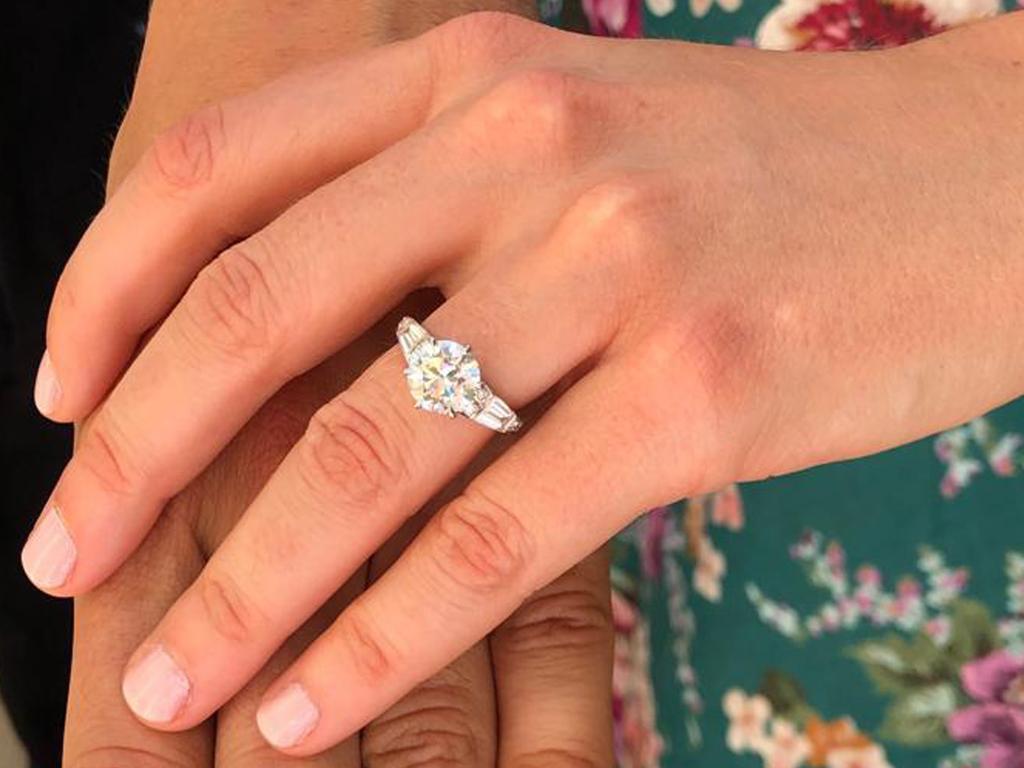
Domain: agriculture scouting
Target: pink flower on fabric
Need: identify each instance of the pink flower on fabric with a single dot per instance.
(996, 719)
(864, 24)
(624, 615)
(614, 18)
(949, 445)
(786, 747)
(908, 587)
(954, 580)
(869, 576)
(654, 538)
(835, 556)
(1003, 458)
(939, 629)
(637, 741)
(958, 475)
(727, 508)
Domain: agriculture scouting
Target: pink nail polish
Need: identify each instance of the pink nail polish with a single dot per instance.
(49, 554)
(155, 687)
(287, 718)
(48, 391)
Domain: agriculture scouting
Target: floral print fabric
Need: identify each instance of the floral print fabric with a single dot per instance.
(784, 25)
(868, 614)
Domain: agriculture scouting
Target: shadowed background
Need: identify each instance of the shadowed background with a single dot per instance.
(67, 70)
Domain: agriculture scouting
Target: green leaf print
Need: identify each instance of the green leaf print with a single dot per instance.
(786, 696)
(923, 675)
(918, 719)
(975, 633)
(898, 666)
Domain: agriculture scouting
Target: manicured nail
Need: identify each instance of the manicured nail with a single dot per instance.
(287, 718)
(49, 554)
(155, 687)
(47, 387)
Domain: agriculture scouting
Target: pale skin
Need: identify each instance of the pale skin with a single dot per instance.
(535, 692)
(727, 265)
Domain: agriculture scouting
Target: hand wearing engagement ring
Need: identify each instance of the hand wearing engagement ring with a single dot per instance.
(681, 295)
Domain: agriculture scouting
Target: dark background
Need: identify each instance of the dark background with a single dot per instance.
(66, 70)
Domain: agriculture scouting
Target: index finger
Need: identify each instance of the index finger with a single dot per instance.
(262, 313)
(224, 172)
(215, 177)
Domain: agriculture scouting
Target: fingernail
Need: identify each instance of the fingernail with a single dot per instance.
(49, 554)
(155, 687)
(47, 393)
(287, 718)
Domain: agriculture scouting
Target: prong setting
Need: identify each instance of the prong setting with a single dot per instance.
(444, 377)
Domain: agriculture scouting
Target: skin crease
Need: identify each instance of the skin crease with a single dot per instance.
(452, 717)
(776, 278)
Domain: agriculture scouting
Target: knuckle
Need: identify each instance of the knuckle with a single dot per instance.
(231, 615)
(614, 232)
(475, 41)
(184, 156)
(481, 545)
(347, 456)
(716, 357)
(122, 756)
(561, 757)
(618, 217)
(107, 455)
(567, 618)
(436, 724)
(537, 115)
(233, 305)
(417, 745)
(247, 754)
(371, 656)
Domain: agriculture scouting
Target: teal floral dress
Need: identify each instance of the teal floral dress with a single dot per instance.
(866, 614)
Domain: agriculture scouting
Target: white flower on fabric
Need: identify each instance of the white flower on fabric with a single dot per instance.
(748, 716)
(786, 747)
(708, 573)
(858, 757)
(661, 8)
(949, 13)
(777, 31)
(700, 8)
